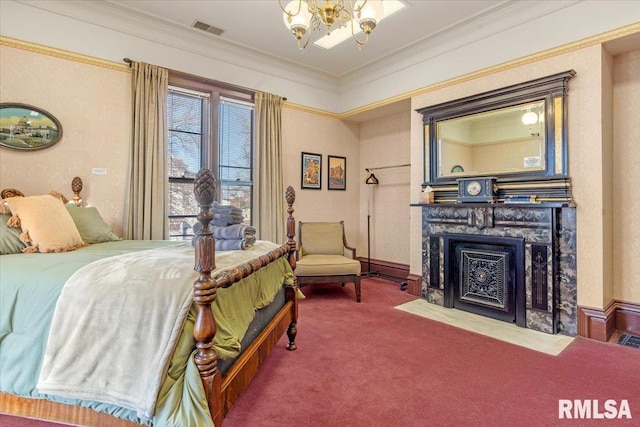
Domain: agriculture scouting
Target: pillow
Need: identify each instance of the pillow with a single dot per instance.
(90, 224)
(10, 242)
(45, 223)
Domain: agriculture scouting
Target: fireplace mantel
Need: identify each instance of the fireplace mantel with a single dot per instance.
(548, 234)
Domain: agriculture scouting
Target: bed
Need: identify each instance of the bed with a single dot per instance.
(61, 350)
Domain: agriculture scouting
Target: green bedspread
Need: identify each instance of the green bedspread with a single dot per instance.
(31, 284)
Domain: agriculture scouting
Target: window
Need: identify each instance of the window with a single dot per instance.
(235, 155)
(209, 126)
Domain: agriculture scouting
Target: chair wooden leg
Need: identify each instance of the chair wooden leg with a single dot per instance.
(357, 285)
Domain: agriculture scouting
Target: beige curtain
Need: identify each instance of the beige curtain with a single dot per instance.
(146, 215)
(268, 199)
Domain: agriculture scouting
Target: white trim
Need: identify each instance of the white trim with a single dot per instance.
(199, 94)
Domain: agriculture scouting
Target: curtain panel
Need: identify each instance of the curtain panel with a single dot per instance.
(268, 202)
(146, 210)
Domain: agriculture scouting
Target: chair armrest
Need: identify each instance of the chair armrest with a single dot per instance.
(349, 252)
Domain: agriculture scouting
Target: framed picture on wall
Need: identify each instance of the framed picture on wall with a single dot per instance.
(311, 171)
(337, 173)
(27, 128)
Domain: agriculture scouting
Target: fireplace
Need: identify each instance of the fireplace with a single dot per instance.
(514, 263)
(484, 275)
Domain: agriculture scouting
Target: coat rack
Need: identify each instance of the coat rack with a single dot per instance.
(370, 180)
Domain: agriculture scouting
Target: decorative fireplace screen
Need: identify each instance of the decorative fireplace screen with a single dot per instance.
(484, 279)
(485, 275)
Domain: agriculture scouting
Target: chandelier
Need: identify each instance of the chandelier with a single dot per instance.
(304, 16)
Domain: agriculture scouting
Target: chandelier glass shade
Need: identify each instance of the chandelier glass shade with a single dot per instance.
(302, 17)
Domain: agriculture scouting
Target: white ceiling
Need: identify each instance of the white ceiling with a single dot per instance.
(258, 26)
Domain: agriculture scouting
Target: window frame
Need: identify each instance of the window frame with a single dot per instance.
(215, 92)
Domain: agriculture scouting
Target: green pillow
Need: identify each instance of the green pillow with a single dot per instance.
(90, 225)
(10, 242)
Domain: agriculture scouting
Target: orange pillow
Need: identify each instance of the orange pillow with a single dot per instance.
(45, 223)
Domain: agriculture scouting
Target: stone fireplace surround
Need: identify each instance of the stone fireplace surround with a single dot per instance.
(548, 234)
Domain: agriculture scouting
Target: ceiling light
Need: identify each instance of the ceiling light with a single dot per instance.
(529, 118)
(304, 16)
(341, 34)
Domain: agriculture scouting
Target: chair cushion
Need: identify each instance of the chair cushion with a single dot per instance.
(322, 238)
(326, 265)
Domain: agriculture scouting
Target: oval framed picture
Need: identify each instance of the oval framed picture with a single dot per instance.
(24, 127)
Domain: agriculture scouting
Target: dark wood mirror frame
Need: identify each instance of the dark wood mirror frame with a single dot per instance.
(553, 91)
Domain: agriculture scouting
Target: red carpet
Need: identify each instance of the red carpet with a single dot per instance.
(7, 421)
(369, 364)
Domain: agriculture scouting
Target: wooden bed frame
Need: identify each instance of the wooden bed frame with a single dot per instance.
(221, 391)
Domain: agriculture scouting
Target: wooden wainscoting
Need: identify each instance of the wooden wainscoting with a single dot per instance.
(628, 317)
(414, 285)
(386, 269)
(394, 271)
(600, 324)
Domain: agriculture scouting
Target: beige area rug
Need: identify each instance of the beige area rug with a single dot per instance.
(534, 340)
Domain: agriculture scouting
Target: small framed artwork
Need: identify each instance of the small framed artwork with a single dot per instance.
(311, 171)
(337, 173)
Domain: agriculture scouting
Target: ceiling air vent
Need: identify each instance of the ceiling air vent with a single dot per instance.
(208, 28)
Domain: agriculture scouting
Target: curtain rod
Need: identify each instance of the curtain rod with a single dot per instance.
(130, 62)
(387, 167)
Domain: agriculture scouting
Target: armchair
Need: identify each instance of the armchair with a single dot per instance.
(325, 257)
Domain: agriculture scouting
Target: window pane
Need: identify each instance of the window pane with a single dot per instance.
(183, 210)
(235, 174)
(185, 154)
(181, 228)
(185, 112)
(239, 196)
(187, 123)
(181, 199)
(236, 121)
(236, 154)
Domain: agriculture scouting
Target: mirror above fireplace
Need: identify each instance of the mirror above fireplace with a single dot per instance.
(502, 141)
(514, 132)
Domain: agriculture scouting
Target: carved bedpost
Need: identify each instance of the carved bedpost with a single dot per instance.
(290, 197)
(76, 187)
(204, 295)
(292, 330)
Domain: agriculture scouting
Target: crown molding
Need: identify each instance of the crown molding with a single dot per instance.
(118, 18)
(311, 110)
(63, 54)
(118, 66)
(71, 9)
(463, 33)
(351, 114)
(529, 59)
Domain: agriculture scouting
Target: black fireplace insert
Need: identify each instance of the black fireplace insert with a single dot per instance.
(485, 275)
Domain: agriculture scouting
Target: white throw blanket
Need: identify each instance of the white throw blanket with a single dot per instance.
(117, 321)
